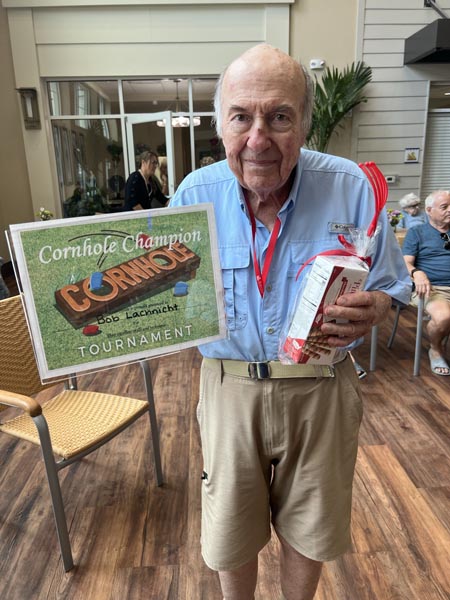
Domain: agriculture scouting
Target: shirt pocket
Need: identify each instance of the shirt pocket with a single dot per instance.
(302, 251)
(234, 261)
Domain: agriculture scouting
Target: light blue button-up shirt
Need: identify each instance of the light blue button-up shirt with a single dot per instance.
(328, 195)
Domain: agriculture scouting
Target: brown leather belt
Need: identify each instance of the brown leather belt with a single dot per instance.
(271, 369)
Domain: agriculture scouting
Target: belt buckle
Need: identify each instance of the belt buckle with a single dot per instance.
(259, 370)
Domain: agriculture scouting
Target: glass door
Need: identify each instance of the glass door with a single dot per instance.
(151, 131)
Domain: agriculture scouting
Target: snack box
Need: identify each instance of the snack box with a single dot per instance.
(329, 278)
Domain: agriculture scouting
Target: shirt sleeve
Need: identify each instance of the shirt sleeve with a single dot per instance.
(389, 273)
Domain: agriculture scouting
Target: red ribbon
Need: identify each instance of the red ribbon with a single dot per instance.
(379, 186)
(261, 278)
(335, 252)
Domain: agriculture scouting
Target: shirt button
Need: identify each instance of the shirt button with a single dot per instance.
(269, 288)
(270, 330)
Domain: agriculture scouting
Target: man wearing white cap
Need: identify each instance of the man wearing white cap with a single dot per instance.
(413, 214)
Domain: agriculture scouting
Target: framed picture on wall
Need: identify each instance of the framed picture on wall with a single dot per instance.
(411, 155)
(66, 157)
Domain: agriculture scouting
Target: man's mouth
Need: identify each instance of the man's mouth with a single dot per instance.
(260, 162)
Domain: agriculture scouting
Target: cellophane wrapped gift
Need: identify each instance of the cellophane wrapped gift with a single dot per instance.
(329, 277)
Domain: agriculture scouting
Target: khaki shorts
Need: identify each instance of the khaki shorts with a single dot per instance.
(280, 451)
(438, 292)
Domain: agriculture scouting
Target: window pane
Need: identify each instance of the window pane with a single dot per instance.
(82, 103)
(90, 166)
(155, 95)
(144, 96)
(54, 97)
(208, 147)
(102, 111)
(203, 94)
(96, 91)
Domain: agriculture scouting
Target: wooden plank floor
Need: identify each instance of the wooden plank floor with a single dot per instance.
(133, 540)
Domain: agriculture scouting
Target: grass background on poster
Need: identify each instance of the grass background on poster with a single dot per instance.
(62, 342)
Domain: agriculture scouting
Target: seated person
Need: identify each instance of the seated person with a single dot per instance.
(413, 214)
(426, 251)
(142, 189)
(206, 160)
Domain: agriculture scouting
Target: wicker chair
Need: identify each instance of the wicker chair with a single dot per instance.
(70, 425)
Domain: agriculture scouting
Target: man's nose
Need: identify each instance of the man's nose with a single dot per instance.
(259, 135)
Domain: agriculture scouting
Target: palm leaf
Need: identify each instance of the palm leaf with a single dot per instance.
(334, 96)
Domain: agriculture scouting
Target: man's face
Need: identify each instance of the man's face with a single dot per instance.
(439, 212)
(261, 116)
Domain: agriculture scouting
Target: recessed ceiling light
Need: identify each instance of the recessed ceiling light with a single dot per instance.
(446, 93)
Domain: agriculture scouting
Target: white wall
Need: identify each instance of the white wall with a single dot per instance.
(395, 116)
(327, 30)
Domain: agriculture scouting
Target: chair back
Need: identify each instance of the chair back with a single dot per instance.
(18, 368)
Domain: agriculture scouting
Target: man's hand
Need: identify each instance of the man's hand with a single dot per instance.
(362, 310)
(422, 284)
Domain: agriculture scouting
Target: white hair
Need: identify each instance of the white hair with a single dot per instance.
(429, 200)
(409, 200)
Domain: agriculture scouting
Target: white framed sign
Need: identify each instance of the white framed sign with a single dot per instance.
(112, 288)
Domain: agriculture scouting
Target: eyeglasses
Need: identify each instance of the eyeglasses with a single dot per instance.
(155, 163)
(446, 238)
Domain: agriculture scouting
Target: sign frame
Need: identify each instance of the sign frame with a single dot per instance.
(139, 260)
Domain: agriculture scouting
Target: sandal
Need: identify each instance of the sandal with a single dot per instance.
(438, 364)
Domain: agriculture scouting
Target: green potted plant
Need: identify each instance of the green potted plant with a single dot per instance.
(85, 202)
(115, 150)
(334, 96)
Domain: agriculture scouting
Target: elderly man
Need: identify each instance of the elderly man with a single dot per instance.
(279, 441)
(426, 250)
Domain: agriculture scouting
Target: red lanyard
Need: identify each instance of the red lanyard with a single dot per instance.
(261, 278)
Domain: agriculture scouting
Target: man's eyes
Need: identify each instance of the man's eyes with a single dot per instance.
(280, 117)
(281, 121)
(241, 119)
(277, 119)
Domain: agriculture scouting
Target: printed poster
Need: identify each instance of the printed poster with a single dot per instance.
(108, 289)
